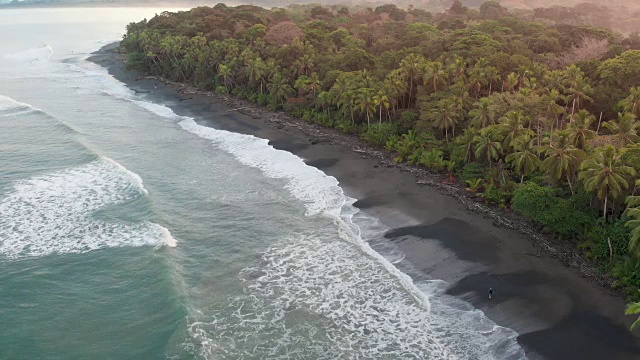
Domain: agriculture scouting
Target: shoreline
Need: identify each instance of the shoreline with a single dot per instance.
(443, 232)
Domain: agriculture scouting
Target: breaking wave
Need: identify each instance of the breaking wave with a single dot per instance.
(366, 307)
(11, 107)
(54, 213)
(43, 53)
(328, 294)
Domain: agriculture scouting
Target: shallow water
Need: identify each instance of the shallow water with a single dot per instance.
(127, 231)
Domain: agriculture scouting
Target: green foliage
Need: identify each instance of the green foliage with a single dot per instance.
(627, 274)
(379, 134)
(631, 157)
(633, 309)
(484, 93)
(623, 70)
(408, 120)
(136, 60)
(223, 90)
(433, 159)
(542, 205)
(346, 126)
(498, 195)
(596, 241)
(471, 171)
(474, 185)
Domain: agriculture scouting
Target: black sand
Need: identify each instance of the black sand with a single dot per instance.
(559, 313)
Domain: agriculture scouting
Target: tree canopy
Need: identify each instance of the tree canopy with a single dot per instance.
(485, 95)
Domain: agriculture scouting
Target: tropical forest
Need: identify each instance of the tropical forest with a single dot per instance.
(537, 118)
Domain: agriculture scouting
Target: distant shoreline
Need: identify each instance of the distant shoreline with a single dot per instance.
(557, 312)
(155, 4)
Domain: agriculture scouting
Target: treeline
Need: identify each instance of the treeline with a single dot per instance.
(531, 117)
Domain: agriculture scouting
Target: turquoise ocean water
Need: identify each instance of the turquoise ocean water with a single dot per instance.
(128, 232)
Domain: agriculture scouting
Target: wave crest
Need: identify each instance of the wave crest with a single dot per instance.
(43, 53)
(53, 213)
(11, 107)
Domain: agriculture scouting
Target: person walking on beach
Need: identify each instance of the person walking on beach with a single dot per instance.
(491, 292)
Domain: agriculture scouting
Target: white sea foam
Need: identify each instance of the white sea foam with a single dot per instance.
(369, 308)
(317, 298)
(375, 309)
(157, 109)
(98, 79)
(11, 107)
(43, 53)
(54, 213)
(319, 192)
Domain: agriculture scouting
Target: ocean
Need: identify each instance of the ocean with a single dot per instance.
(129, 232)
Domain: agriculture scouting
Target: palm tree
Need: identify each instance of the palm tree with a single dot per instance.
(562, 159)
(626, 128)
(456, 67)
(313, 84)
(632, 102)
(348, 101)
(633, 309)
(366, 103)
(477, 79)
(552, 109)
(633, 212)
(381, 100)
(323, 101)
(525, 159)
(511, 83)
(340, 87)
(554, 80)
(280, 89)
(513, 126)
(492, 76)
(225, 72)
(434, 74)
(578, 92)
(343, 96)
(304, 64)
(301, 84)
(605, 174)
(446, 117)
(579, 129)
(488, 145)
(256, 70)
(483, 114)
(467, 140)
(412, 66)
(398, 86)
(571, 75)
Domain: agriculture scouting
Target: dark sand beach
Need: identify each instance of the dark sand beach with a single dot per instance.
(558, 313)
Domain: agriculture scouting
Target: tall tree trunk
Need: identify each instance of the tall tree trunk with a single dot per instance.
(539, 133)
(599, 123)
(411, 91)
(606, 198)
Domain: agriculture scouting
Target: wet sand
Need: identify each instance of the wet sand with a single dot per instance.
(558, 313)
